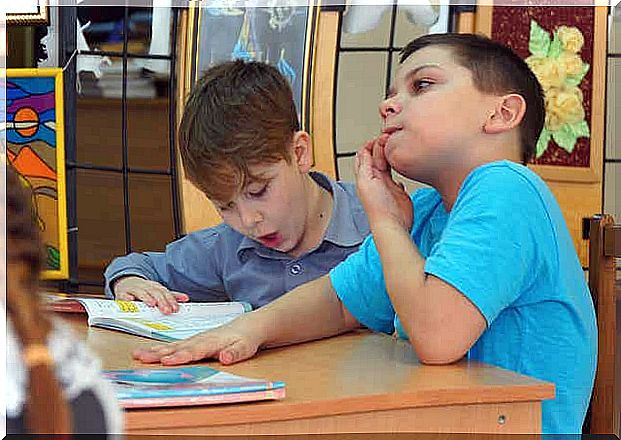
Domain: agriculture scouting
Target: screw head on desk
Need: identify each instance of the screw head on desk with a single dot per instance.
(502, 419)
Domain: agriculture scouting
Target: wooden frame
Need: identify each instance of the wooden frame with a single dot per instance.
(35, 147)
(322, 92)
(27, 12)
(592, 173)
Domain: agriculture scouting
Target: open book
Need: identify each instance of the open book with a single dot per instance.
(139, 319)
(184, 386)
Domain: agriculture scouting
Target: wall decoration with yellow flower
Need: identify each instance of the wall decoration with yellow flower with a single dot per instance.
(566, 49)
(556, 62)
(35, 148)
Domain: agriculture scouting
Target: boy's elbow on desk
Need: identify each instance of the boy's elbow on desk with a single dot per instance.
(439, 350)
(438, 357)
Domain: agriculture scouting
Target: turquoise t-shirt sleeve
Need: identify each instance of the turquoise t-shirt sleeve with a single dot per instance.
(359, 284)
(488, 249)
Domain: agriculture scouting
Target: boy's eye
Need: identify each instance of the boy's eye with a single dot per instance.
(420, 84)
(258, 193)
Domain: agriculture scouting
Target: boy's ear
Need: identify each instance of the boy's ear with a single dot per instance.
(302, 151)
(507, 115)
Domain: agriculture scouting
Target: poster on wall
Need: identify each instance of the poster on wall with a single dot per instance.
(280, 34)
(565, 48)
(35, 148)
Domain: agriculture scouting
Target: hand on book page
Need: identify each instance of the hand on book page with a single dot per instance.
(152, 293)
(228, 344)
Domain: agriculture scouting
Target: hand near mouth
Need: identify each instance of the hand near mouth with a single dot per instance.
(376, 149)
(383, 198)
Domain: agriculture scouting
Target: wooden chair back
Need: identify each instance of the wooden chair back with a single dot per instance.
(604, 249)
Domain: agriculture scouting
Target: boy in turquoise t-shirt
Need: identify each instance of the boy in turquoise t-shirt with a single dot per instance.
(481, 265)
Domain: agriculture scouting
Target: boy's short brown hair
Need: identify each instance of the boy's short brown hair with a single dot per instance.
(239, 114)
(496, 69)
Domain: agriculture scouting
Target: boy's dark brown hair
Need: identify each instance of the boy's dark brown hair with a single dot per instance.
(46, 410)
(238, 115)
(496, 69)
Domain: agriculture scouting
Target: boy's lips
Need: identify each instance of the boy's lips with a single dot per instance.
(391, 129)
(270, 240)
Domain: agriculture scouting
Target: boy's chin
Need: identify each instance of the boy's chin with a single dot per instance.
(410, 171)
(281, 247)
(395, 155)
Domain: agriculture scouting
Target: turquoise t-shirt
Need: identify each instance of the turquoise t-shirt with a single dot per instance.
(506, 247)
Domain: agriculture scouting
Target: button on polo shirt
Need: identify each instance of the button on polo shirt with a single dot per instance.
(295, 269)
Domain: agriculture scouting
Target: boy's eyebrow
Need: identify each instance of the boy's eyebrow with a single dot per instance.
(260, 178)
(410, 74)
(417, 69)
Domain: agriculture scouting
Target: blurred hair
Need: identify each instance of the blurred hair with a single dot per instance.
(46, 411)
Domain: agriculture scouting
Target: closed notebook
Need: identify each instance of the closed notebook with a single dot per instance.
(139, 319)
(186, 386)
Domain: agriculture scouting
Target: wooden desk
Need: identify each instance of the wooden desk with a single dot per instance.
(358, 382)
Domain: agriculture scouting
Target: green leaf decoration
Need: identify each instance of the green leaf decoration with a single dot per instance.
(581, 129)
(565, 137)
(575, 80)
(53, 258)
(539, 42)
(542, 143)
(555, 49)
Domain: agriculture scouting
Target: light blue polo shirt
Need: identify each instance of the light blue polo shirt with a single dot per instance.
(220, 264)
(506, 247)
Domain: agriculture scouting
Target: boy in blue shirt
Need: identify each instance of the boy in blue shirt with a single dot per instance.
(481, 265)
(283, 225)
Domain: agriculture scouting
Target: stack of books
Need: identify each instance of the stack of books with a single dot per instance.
(188, 386)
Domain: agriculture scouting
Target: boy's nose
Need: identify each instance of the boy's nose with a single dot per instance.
(389, 106)
(249, 217)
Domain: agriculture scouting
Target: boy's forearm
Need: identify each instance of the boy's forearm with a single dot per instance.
(404, 274)
(134, 264)
(427, 307)
(311, 311)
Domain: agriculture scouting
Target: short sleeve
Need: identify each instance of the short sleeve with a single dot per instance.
(359, 284)
(488, 249)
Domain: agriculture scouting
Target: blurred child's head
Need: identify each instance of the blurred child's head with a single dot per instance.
(23, 243)
(459, 87)
(46, 410)
(241, 145)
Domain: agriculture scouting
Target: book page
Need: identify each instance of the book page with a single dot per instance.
(117, 309)
(137, 317)
(123, 309)
(216, 308)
